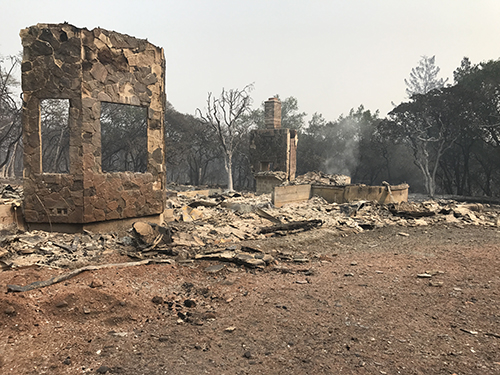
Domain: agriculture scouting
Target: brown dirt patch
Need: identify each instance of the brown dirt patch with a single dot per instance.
(357, 307)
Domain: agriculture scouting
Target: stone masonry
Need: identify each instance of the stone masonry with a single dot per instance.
(88, 67)
(273, 150)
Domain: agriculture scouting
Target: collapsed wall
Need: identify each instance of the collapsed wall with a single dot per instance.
(89, 68)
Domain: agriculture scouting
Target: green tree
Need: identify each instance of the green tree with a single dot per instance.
(477, 88)
(426, 125)
(350, 145)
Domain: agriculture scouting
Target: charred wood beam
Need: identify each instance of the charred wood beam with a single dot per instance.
(296, 225)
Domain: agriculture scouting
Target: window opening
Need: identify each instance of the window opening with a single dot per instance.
(124, 138)
(54, 116)
(265, 166)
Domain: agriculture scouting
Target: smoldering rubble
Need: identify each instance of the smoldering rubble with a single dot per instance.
(221, 227)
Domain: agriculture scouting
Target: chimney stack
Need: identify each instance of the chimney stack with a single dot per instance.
(272, 109)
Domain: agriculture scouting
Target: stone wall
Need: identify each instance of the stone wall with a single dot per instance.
(88, 67)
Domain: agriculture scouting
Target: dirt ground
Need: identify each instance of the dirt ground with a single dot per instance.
(357, 306)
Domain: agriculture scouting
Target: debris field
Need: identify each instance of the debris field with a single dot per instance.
(231, 285)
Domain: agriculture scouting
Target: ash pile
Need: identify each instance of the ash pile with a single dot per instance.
(232, 228)
(320, 178)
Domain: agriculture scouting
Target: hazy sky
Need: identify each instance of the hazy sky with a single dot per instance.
(332, 55)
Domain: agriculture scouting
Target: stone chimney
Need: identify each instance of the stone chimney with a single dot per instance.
(272, 113)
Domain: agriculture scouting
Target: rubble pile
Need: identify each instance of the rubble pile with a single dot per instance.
(320, 178)
(56, 250)
(214, 227)
(10, 194)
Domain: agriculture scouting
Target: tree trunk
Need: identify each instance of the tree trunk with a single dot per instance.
(228, 161)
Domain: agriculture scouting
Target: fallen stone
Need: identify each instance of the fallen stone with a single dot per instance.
(209, 315)
(96, 283)
(469, 332)
(149, 234)
(157, 300)
(61, 304)
(67, 361)
(436, 283)
(189, 303)
(230, 329)
(215, 268)
(301, 260)
(10, 310)
(186, 239)
(250, 261)
(145, 231)
(103, 370)
(434, 272)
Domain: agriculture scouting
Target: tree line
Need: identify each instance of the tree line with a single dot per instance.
(444, 139)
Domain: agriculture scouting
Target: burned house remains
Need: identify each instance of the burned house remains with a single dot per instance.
(93, 73)
(273, 150)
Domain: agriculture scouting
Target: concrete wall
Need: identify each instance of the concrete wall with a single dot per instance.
(351, 193)
(340, 194)
(88, 67)
(290, 194)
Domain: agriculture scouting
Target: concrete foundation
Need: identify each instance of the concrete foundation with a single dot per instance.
(99, 227)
